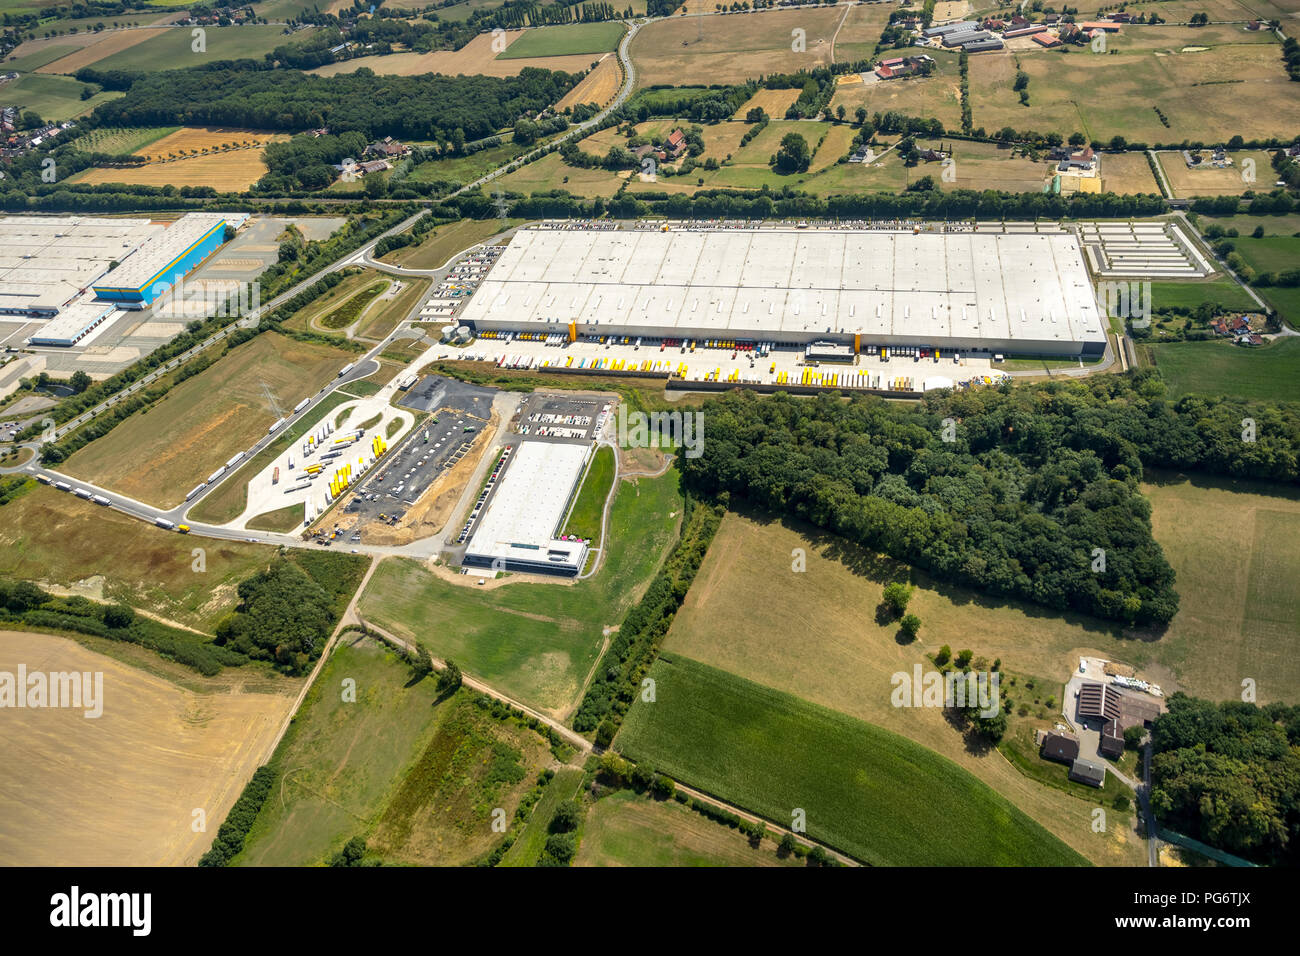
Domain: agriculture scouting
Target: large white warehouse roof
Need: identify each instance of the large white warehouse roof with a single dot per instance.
(1026, 292)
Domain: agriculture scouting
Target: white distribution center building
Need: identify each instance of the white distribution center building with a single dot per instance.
(1021, 293)
(519, 530)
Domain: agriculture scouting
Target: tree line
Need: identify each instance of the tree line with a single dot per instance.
(428, 107)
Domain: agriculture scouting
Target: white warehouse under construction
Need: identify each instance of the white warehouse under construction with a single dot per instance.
(1014, 292)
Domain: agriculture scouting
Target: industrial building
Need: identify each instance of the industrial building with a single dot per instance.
(48, 261)
(73, 324)
(519, 531)
(995, 291)
(164, 260)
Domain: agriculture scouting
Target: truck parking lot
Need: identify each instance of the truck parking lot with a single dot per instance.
(458, 413)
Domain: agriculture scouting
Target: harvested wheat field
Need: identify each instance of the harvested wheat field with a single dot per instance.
(122, 788)
(476, 57)
(687, 51)
(598, 86)
(228, 160)
(105, 46)
(773, 102)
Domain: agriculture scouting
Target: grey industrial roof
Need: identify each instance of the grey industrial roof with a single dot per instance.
(46, 260)
(71, 323)
(789, 283)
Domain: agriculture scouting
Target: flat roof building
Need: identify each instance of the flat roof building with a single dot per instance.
(47, 261)
(73, 324)
(1022, 292)
(946, 28)
(164, 260)
(520, 530)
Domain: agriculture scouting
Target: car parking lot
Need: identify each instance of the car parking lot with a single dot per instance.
(544, 417)
(458, 413)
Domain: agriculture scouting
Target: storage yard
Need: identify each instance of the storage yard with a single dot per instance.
(988, 291)
(416, 457)
(1152, 250)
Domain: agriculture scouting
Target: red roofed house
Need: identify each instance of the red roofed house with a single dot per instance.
(1045, 39)
(675, 143)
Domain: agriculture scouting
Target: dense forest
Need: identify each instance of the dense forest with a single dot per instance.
(429, 107)
(1228, 774)
(1010, 491)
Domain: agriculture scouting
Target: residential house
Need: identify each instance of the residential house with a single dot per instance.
(1060, 747)
(675, 144)
(1111, 743)
(1088, 771)
(388, 148)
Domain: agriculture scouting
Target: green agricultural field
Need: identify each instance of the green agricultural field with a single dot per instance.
(1224, 293)
(628, 829)
(38, 58)
(871, 793)
(565, 40)
(173, 49)
(1271, 253)
(354, 768)
(1220, 368)
(55, 98)
(584, 519)
(465, 169)
(551, 172)
(1281, 224)
(845, 656)
(160, 453)
(51, 537)
(527, 848)
(534, 641)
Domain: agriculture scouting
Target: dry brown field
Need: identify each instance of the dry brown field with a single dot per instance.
(598, 86)
(122, 789)
(690, 51)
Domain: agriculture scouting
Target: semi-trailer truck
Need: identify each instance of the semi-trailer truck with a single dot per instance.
(164, 523)
(100, 500)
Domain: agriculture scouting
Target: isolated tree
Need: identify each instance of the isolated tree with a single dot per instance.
(897, 594)
(420, 662)
(910, 624)
(793, 156)
(449, 679)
